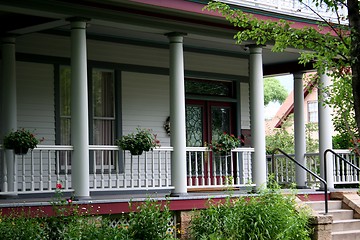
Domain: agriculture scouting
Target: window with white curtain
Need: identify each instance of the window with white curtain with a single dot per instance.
(103, 99)
(102, 121)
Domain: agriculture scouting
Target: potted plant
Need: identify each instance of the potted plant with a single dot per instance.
(136, 143)
(20, 140)
(225, 143)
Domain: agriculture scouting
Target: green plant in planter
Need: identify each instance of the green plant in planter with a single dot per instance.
(225, 143)
(21, 140)
(136, 143)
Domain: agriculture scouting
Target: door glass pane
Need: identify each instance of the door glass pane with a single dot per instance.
(220, 121)
(194, 126)
(210, 88)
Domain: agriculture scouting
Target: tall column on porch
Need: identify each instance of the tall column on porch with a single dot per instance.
(177, 114)
(325, 133)
(299, 129)
(79, 109)
(8, 105)
(257, 116)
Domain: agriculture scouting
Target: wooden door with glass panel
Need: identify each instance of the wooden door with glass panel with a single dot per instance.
(205, 121)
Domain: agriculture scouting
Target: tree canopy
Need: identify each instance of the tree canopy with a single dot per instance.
(274, 91)
(331, 47)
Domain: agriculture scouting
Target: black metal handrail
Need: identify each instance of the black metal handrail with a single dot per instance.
(307, 170)
(341, 158)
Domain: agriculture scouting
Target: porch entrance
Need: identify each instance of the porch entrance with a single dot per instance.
(205, 121)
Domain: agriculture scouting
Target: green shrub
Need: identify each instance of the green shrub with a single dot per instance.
(150, 221)
(268, 216)
(22, 227)
(342, 141)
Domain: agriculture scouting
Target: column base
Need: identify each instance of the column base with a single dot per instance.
(9, 196)
(178, 194)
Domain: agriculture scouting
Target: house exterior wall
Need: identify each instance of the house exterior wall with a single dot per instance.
(35, 96)
(145, 106)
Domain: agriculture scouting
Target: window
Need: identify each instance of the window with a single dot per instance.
(103, 97)
(312, 111)
(101, 110)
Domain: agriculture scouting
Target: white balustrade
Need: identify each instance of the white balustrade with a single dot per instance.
(293, 8)
(206, 169)
(39, 170)
(343, 173)
(112, 169)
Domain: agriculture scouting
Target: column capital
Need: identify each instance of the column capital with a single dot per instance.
(255, 48)
(175, 37)
(8, 39)
(299, 75)
(78, 22)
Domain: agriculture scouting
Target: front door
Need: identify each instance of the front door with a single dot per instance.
(205, 121)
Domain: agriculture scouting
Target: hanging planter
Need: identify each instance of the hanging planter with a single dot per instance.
(225, 143)
(136, 151)
(137, 143)
(21, 150)
(21, 141)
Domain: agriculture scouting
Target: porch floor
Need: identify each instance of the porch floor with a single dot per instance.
(28, 200)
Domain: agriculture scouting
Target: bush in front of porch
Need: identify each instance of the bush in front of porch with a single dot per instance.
(149, 220)
(268, 216)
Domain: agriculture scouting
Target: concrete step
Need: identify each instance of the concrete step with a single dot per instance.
(346, 225)
(320, 205)
(340, 214)
(346, 235)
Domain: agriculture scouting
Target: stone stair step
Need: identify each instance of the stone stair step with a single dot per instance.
(320, 205)
(340, 214)
(346, 225)
(346, 235)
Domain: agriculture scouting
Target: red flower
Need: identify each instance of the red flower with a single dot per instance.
(58, 186)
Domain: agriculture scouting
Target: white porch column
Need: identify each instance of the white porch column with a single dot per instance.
(8, 106)
(177, 114)
(79, 110)
(325, 132)
(257, 117)
(299, 129)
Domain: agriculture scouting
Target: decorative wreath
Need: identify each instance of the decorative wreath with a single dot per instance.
(167, 125)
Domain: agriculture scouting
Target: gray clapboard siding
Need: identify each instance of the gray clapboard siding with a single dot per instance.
(216, 64)
(46, 44)
(130, 54)
(35, 98)
(145, 105)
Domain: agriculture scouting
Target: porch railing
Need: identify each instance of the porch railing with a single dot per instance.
(292, 8)
(346, 167)
(285, 170)
(37, 171)
(111, 169)
(206, 169)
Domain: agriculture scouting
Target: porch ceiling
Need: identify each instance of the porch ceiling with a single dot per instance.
(127, 20)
